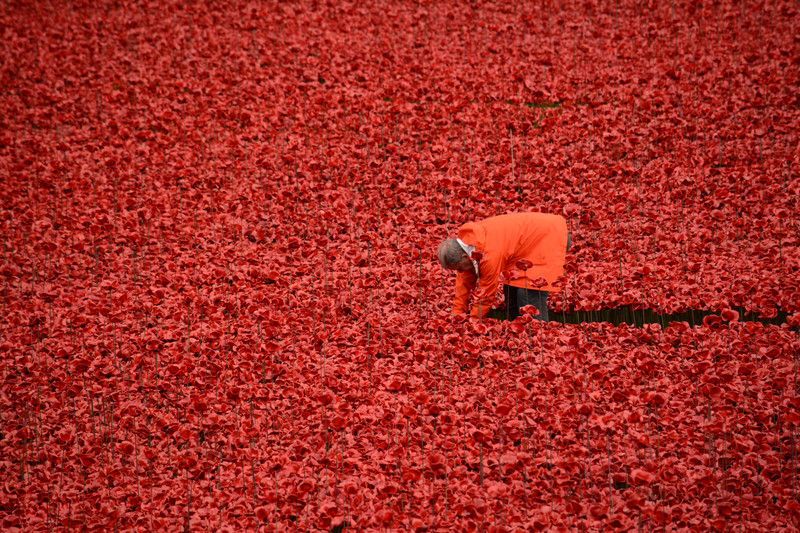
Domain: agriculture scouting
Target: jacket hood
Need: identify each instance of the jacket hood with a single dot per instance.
(474, 235)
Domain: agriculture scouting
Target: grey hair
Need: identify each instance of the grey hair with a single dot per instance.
(450, 253)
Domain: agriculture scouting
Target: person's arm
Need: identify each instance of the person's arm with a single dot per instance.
(490, 277)
(465, 282)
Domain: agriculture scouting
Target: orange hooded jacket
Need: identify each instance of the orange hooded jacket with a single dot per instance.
(501, 241)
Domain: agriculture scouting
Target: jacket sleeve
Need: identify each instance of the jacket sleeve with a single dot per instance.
(486, 295)
(465, 282)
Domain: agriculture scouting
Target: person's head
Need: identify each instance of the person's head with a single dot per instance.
(453, 257)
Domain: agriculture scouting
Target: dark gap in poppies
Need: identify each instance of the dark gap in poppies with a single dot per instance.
(640, 317)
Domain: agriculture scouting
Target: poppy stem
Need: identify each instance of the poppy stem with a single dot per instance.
(150, 484)
(480, 463)
(188, 501)
(794, 463)
(252, 457)
(610, 484)
(136, 460)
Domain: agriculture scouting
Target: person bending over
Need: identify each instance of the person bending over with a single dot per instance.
(526, 251)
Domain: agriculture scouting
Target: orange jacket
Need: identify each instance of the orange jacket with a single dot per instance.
(538, 237)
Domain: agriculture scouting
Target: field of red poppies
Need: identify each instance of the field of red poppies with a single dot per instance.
(221, 306)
